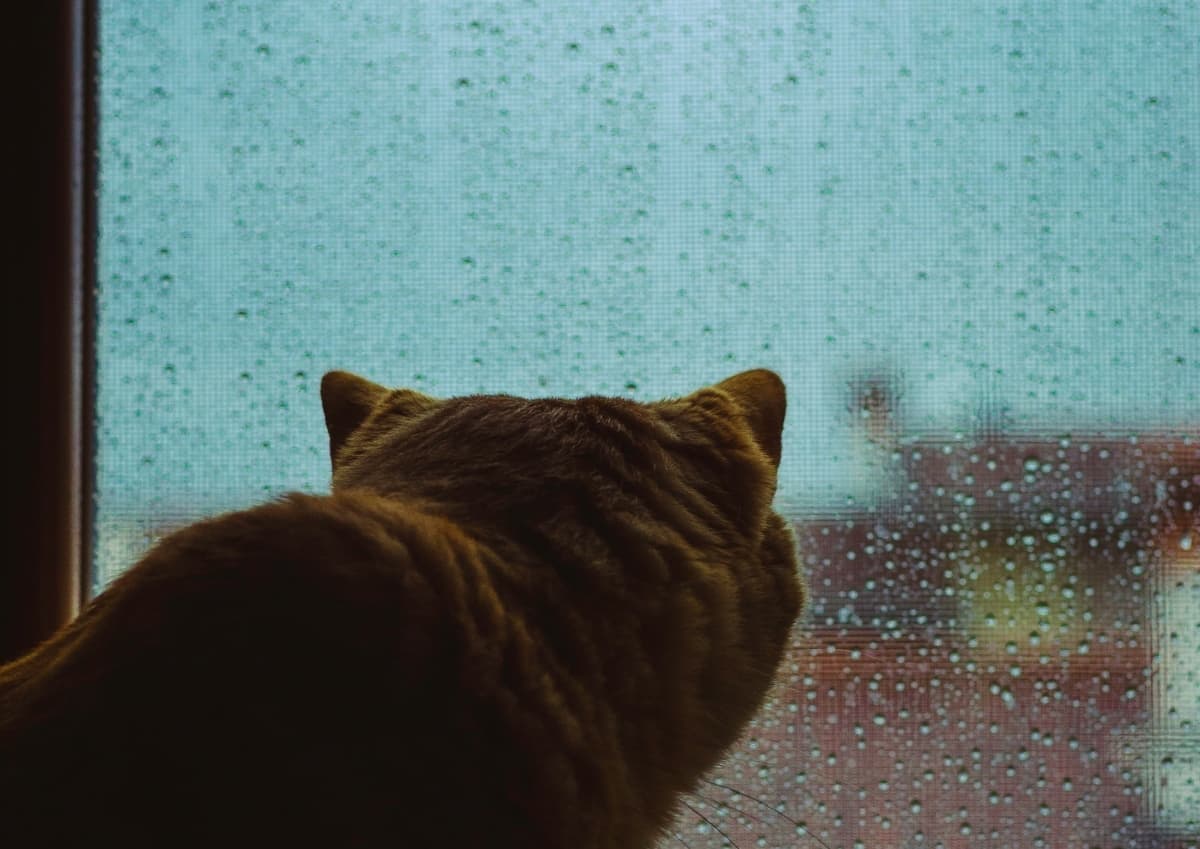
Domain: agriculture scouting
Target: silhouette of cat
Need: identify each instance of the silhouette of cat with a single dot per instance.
(513, 623)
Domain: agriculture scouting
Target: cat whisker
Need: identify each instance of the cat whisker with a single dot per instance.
(717, 803)
(793, 787)
(798, 825)
(750, 796)
(729, 840)
(678, 838)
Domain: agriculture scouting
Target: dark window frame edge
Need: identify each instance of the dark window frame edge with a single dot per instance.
(47, 574)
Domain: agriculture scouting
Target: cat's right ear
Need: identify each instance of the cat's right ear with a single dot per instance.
(762, 398)
(347, 400)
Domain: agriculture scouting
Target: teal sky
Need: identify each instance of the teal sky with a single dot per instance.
(571, 198)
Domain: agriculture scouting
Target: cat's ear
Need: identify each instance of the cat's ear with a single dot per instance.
(347, 400)
(762, 398)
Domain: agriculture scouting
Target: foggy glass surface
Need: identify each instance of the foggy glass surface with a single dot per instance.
(965, 234)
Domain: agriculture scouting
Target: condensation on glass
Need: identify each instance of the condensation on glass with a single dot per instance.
(965, 234)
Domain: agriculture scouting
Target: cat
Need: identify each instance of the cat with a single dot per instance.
(513, 623)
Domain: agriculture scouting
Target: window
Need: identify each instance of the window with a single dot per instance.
(965, 234)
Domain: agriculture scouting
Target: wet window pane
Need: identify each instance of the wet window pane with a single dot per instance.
(965, 234)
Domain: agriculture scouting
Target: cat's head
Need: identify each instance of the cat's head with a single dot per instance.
(598, 477)
(498, 453)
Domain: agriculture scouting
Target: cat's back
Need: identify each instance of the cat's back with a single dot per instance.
(285, 672)
(272, 577)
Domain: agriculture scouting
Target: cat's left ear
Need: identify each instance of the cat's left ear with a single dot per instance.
(762, 398)
(347, 400)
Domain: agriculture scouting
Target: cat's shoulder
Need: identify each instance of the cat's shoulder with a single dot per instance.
(297, 538)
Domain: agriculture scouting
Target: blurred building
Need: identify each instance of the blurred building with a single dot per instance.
(1005, 641)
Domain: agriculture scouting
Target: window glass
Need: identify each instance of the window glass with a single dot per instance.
(964, 233)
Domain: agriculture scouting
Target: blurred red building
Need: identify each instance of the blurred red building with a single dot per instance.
(988, 655)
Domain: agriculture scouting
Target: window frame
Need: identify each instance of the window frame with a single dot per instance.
(51, 325)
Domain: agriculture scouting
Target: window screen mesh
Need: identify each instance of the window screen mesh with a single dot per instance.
(964, 233)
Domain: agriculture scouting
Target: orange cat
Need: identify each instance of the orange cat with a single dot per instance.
(514, 623)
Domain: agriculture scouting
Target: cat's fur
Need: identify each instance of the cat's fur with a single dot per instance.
(514, 623)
